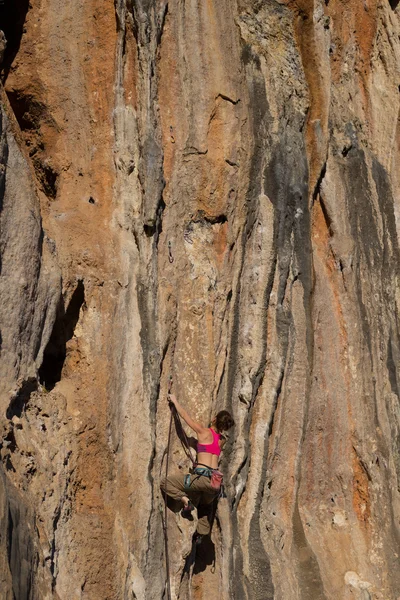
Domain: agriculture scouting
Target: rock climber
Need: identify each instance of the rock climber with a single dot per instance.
(197, 488)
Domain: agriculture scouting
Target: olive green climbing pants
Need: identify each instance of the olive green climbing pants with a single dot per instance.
(200, 493)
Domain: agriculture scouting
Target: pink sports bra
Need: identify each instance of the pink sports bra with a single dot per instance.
(212, 448)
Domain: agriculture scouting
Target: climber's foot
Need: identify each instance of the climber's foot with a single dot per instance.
(185, 501)
(187, 509)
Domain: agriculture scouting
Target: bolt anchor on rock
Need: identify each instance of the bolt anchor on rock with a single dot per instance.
(170, 257)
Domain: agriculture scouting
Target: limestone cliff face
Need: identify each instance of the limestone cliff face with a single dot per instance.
(209, 191)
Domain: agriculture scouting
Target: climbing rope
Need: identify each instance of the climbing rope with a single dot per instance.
(183, 438)
(174, 418)
(166, 508)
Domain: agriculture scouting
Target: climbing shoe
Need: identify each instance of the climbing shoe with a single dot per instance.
(187, 510)
(197, 539)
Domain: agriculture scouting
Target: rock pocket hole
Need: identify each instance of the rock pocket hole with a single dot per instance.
(21, 397)
(9, 441)
(92, 200)
(30, 113)
(394, 4)
(47, 176)
(149, 230)
(27, 110)
(63, 330)
(203, 218)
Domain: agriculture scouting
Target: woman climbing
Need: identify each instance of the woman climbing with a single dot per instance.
(199, 487)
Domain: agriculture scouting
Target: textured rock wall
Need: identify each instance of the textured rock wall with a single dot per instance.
(206, 191)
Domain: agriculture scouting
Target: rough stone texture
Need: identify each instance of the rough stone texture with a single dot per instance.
(207, 190)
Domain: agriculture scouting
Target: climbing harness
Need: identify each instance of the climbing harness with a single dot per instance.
(215, 476)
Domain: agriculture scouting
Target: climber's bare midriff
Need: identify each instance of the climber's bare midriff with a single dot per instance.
(207, 459)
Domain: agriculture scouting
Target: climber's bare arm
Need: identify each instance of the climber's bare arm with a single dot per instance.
(199, 429)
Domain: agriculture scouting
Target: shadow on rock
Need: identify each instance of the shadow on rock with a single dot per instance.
(174, 505)
(204, 556)
(201, 556)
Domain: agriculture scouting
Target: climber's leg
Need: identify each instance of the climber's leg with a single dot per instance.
(205, 513)
(174, 486)
(205, 495)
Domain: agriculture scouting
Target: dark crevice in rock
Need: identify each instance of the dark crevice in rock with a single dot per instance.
(327, 218)
(12, 19)
(53, 547)
(161, 26)
(63, 330)
(30, 114)
(119, 26)
(47, 176)
(132, 9)
(28, 111)
(202, 217)
(9, 441)
(192, 151)
(392, 370)
(231, 163)
(155, 227)
(346, 150)
(21, 397)
(227, 99)
(241, 472)
(149, 230)
(394, 4)
(317, 190)
(8, 464)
